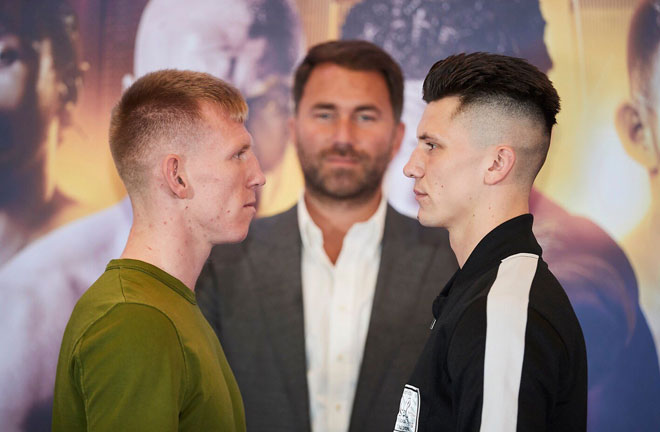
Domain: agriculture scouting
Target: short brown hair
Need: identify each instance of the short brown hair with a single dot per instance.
(356, 55)
(164, 106)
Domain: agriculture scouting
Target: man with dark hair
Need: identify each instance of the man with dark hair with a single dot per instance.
(638, 124)
(40, 80)
(331, 293)
(40, 76)
(506, 350)
(137, 353)
(624, 380)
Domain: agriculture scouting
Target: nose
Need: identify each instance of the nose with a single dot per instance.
(414, 168)
(344, 131)
(257, 178)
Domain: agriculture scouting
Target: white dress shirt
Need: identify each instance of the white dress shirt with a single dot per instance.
(337, 303)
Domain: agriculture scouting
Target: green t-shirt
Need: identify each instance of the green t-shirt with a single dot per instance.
(138, 355)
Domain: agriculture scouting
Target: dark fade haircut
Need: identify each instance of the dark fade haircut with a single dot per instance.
(356, 55)
(643, 44)
(483, 78)
(165, 107)
(36, 20)
(510, 84)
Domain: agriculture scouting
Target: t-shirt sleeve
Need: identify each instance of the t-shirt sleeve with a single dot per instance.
(524, 381)
(131, 371)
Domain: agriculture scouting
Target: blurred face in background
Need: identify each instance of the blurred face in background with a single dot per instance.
(345, 132)
(28, 104)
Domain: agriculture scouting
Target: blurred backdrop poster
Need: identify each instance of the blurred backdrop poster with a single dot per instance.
(64, 215)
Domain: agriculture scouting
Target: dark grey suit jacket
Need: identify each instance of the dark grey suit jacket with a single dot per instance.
(251, 293)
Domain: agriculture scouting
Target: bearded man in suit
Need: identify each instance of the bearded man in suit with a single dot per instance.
(322, 310)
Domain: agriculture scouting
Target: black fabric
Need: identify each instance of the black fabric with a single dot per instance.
(450, 371)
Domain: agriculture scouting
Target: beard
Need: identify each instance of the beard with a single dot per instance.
(358, 183)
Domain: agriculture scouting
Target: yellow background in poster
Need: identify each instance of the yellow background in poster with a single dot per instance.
(587, 171)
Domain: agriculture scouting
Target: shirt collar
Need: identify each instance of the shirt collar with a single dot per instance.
(369, 231)
(509, 238)
(161, 275)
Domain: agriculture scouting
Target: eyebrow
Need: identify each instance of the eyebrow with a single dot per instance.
(324, 105)
(331, 106)
(244, 147)
(367, 107)
(430, 137)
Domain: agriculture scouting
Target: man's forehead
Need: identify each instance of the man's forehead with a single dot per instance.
(332, 83)
(439, 112)
(215, 114)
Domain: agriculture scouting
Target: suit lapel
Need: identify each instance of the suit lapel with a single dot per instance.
(396, 297)
(276, 266)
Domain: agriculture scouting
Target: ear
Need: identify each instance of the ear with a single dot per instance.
(635, 135)
(501, 163)
(175, 176)
(399, 133)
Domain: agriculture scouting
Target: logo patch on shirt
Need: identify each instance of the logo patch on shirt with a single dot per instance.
(406, 420)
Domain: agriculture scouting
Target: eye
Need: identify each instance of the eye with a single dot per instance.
(323, 115)
(241, 154)
(430, 146)
(8, 56)
(366, 117)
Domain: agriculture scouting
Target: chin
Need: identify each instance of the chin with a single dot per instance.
(237, 238)
(236, 235)
(428, 220)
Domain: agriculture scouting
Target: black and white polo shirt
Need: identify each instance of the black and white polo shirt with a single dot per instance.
(506, 352)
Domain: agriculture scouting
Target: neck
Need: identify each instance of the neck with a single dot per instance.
(466, 233)
(29, 211)
(335, 217)
(162, 242)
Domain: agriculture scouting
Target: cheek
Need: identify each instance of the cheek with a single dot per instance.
(436, 179)
(12, 85)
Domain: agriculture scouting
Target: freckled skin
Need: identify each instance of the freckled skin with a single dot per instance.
(225, 174)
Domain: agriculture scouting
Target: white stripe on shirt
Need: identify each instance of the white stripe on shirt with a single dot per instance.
(506, 321)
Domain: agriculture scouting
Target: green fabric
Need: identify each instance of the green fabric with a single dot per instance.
(138, 355)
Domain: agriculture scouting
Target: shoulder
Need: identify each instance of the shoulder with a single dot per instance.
(549, 300)
(123, 331)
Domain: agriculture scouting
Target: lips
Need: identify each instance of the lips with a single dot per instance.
(342, 160)
(419, 194)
